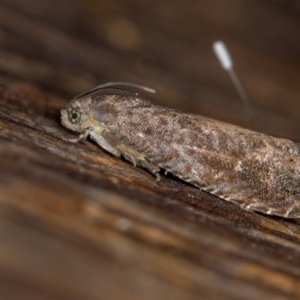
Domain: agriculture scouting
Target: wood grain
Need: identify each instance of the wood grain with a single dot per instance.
(77, 223)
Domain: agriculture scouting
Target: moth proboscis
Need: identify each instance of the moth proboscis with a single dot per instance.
(251, 169)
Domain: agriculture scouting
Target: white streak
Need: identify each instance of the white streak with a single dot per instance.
(222, 55)
(226, 62)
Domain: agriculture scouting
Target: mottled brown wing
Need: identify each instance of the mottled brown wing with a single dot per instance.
(251, 169)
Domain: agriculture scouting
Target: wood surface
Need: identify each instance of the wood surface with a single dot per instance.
(77, 223)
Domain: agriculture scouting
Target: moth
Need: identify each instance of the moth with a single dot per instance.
(253, 170)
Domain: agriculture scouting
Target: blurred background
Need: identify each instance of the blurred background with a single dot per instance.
(69, 46)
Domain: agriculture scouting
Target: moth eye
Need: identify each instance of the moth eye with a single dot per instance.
(74, 116)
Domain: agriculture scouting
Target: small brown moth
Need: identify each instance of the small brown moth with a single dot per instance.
(253, 170)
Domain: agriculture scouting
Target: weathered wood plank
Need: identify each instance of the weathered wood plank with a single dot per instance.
(78, 223)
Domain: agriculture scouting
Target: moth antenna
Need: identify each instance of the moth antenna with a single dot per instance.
(225, 60)
(125, 85)
(116, 87)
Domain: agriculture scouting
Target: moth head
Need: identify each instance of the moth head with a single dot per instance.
(76, 116)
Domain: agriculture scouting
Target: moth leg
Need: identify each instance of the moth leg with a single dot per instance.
(106, 145)
(130, 154)
(82, 136)
(138, 159)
